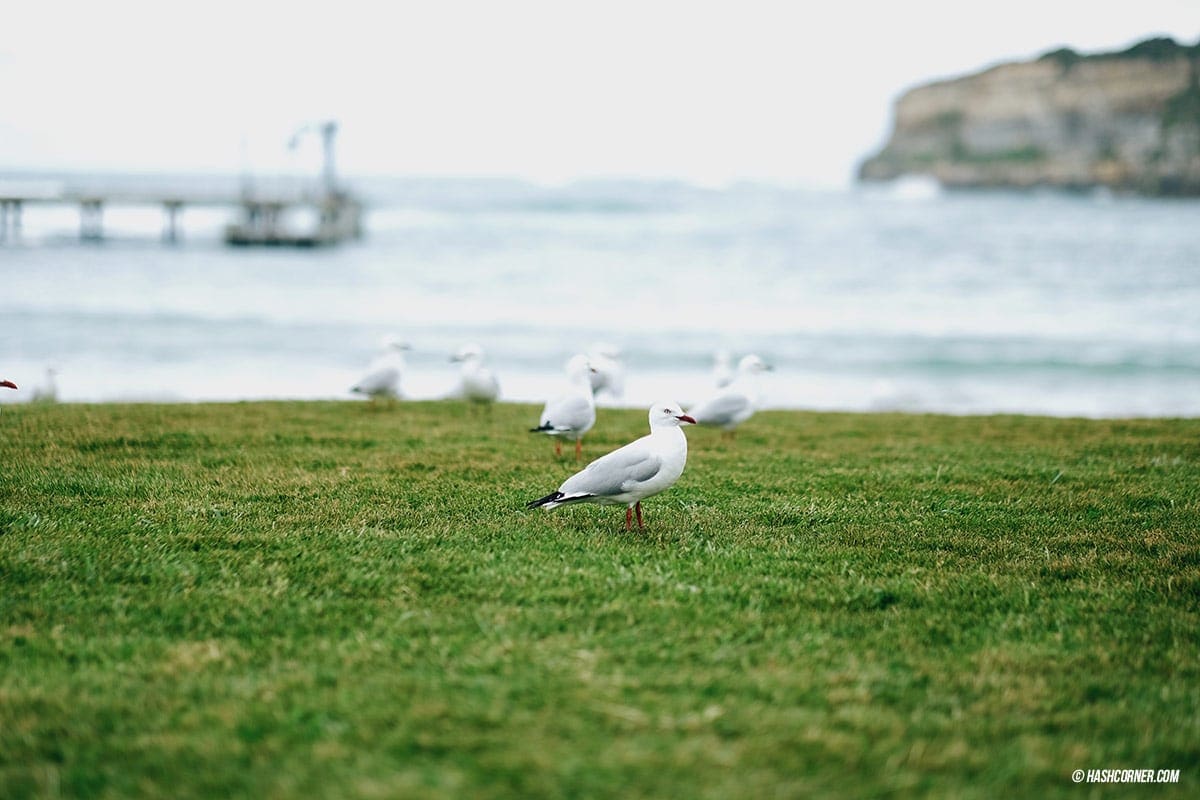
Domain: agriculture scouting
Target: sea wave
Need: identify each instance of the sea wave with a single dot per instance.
(959, 302)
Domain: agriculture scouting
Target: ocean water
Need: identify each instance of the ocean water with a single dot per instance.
(862, 299)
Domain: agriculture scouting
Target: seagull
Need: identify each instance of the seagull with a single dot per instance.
(722, 368)
(608, 373)
(573, 413)
(382, 379)
(47, 392)
(477, 383)
(628, 475)
(735, 403)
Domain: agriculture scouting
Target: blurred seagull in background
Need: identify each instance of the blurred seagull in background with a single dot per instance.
(735, 403)
(628, 475)
(477, 383)
(572, 413)
(47, 390)
(608, 373)
(722, 368)
(382, 379)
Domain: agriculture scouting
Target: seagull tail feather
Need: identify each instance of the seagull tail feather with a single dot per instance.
(555, 499)
(541, 501)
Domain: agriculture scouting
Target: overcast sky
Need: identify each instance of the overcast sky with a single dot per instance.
(709, 92)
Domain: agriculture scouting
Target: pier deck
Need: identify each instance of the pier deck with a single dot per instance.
(338, 214)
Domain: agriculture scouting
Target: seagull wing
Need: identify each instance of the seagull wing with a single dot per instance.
(721, 409)
(615, 473)
(381, 376)
(567, 412)
(480, 384)
(379, 380)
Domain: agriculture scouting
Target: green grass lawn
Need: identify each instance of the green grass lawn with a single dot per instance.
(332, 600)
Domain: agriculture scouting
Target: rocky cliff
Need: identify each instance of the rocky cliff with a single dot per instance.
(1129, 121)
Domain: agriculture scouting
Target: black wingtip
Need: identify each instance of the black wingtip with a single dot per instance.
(541, 501)
(542, 428)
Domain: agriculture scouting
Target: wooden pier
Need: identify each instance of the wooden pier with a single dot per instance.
(262, 215)
(261, 218)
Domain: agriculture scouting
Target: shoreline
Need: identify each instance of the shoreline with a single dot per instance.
(534, 407)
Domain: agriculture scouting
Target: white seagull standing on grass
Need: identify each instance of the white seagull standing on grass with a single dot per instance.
(627, 476)
(382, 379)
(572, 413)
(735, 403)
(476, 382)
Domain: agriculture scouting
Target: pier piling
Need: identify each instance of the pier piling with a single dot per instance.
(10, 219)
(91, 220)
(171, 224)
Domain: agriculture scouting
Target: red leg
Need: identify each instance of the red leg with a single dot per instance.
(578, 449)
(628, 518)
(558, 447)
(641, 527)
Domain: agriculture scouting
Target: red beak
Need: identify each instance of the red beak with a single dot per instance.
(9, 384)
(685, 418)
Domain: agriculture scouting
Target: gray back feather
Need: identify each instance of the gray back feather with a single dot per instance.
(617, 472)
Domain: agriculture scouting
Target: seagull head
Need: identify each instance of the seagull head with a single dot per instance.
(753, 365)
(668, 414)
(468, 352)
(579, 366)
(601, 350)
(8, 384)
(391, 342)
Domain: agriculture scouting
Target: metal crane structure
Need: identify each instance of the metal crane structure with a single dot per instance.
(339, 215)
